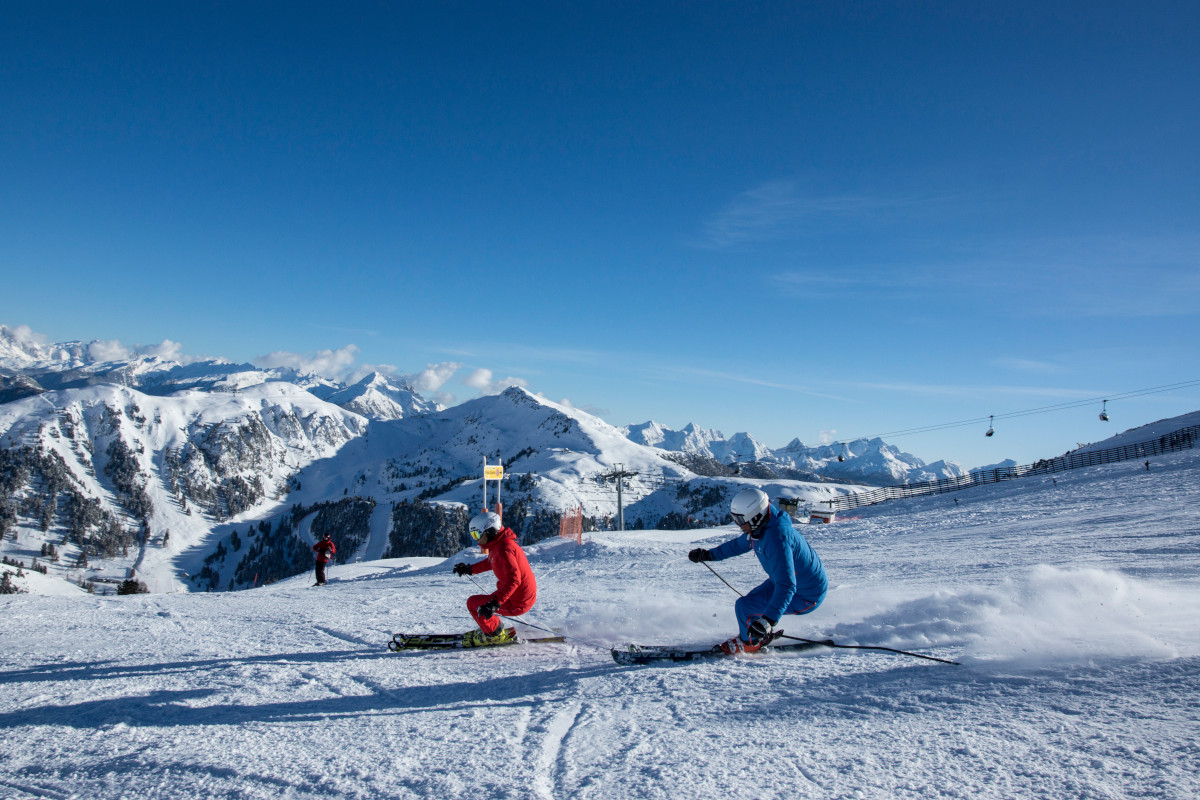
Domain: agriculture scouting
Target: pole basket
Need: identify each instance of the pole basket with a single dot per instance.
(570, 525)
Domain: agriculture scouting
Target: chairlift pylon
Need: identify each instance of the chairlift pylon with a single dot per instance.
(1104, 411)
(991, 430)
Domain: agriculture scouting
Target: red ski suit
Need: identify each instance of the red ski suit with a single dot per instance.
(325, 550)
(516, 589)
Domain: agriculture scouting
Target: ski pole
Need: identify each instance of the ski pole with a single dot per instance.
(831, 643)
(722, 580)
(554, 632)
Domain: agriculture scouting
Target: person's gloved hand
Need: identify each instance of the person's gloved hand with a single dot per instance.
(760, 628)
(462, 569)
(489, 609)
(700, 554)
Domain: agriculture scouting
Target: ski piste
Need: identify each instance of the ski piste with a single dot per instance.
(456, 641)
(651, 654)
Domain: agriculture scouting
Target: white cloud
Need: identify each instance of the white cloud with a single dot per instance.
(434, 376)
(778, 210)
(110, 350)
(339, 365)
(166, 350)
(429, 381)
(827, 437)
(333, 364)
(24, 335)
(114, 350)
(483, 381)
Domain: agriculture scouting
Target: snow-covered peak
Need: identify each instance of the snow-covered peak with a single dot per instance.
(374, 397)
(794, 446)
(690, 439)
(866, 460)
(863, 460)
(21, 349)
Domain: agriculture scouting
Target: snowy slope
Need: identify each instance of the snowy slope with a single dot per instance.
(1145, 433)
(1070, 600)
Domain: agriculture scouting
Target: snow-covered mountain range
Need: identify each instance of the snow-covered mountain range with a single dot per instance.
(212, 474)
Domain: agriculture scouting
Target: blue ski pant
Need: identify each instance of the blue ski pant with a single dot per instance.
(755, 602)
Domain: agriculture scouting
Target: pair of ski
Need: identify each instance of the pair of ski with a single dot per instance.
(456, 641)
(653, 654)
(630, 655)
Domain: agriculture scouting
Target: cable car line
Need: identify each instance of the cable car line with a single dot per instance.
(1027, 412)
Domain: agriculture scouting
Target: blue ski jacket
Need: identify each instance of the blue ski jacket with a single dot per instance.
(791, 564)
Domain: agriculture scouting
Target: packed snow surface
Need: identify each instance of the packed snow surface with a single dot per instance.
(1072, 602)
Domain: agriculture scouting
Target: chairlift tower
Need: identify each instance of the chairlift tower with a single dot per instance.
(619, 474)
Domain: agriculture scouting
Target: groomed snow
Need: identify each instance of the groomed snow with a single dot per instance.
(1072, 602)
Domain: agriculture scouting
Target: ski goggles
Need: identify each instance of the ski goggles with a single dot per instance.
(740, 520)
(477, 535)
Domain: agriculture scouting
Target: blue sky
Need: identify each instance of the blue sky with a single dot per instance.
(813, 220)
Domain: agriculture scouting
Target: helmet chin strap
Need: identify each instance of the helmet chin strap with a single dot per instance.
(757, 532)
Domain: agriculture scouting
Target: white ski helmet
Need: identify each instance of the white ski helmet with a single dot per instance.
(749, 507)
(483, 522)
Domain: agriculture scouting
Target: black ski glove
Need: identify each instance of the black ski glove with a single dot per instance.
(489, 609)
(760, 628)
(700, 554)
(462, 569)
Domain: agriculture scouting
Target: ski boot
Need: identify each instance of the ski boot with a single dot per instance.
(478, 638)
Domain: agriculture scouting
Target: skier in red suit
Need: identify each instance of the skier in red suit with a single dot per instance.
(325, 550)
(516, 589)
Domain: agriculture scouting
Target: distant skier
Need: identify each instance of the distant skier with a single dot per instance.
(796, 582)
(325, 550)
(516, 589)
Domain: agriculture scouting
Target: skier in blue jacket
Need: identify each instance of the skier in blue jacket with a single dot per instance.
(795, 584)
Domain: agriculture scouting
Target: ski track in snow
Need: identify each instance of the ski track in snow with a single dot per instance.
(547, 770)
(1071, 603)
